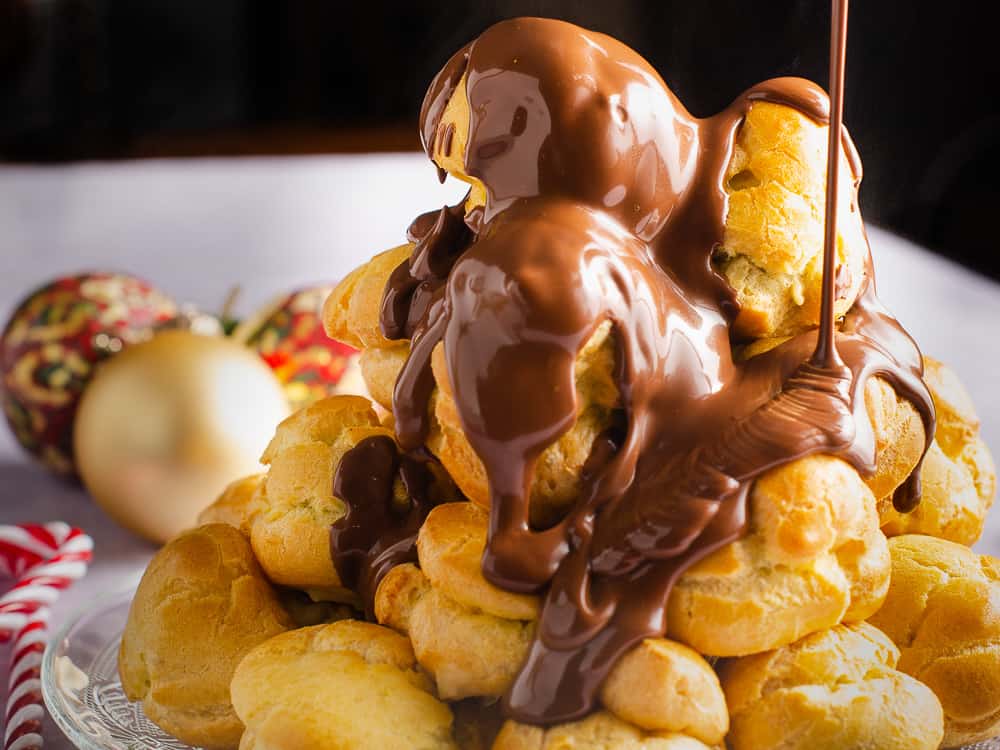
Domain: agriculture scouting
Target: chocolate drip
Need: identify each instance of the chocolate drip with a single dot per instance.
(439, 237)
(443, 86)
(449, 137)
(604, 202)
(413, 308)
(377, 532)
(826, 345)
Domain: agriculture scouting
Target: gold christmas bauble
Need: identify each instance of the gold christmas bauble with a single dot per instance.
(167, 424)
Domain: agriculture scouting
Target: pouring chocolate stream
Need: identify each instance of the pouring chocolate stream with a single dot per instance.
(604, 202)
(826, 344)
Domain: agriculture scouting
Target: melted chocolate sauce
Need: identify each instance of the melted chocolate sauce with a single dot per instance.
(826, 345)
(449, 137)
(376, 534)
(605, 201)
(413, 307)
(433, 106)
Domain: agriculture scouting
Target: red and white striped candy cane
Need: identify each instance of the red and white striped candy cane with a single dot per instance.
(43, 560)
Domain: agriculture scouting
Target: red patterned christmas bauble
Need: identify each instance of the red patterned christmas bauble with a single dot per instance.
(289, 336)
(51, 344)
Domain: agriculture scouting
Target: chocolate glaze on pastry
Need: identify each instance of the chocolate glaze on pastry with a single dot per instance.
(376, 534)
(605, 201)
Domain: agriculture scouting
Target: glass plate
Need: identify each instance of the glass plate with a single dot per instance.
(81, 687)
(85, 698)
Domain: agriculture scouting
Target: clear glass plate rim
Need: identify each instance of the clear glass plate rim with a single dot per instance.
(54, 700)
(54, 704)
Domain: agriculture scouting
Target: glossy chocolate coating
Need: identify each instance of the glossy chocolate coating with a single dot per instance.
(605, 201)
(376, 533)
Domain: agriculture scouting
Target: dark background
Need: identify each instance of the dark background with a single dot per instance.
(97, 79)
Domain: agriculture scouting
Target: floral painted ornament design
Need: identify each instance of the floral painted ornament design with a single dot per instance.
(289, 336)
(51, 345)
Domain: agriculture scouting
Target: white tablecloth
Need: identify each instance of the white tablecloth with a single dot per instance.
(198, 227)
